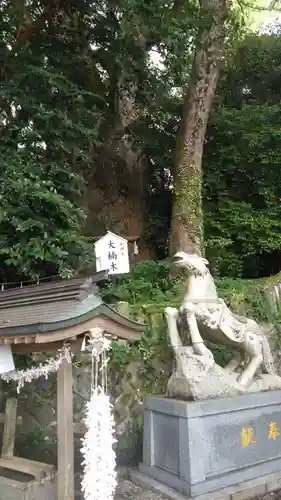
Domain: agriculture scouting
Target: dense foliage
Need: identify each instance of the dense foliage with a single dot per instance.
(47, 125)
(241, 164)
(82, 102)
(149, 284)
(76, 80)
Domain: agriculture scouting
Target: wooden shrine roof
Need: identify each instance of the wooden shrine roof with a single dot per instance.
(48, 307)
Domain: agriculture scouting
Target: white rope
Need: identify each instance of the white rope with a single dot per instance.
(36, 372)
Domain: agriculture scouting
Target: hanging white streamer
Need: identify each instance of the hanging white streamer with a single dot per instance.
(99, 481)
(100, 478)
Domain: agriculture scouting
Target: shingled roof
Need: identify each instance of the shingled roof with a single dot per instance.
(52, 306)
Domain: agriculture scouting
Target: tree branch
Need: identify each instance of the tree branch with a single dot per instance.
(24, 33)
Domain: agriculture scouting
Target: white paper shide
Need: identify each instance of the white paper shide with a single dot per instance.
(6, 359)
(99, 461)
(112, 254)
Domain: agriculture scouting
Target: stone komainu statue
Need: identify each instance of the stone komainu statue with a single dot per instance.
(207, 317)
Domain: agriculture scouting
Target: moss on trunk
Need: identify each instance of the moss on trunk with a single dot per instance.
(187, 217)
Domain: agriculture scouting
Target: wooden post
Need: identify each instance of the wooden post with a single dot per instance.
(10, 422)
(65, 432)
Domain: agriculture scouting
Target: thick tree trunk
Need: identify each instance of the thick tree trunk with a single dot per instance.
(187, 217)
(117, 189)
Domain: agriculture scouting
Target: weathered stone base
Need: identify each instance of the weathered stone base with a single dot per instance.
(242, 491)
(17, 486)
(203, 447)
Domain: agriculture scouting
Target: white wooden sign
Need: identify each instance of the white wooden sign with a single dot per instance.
(6, 359)
(112, 254)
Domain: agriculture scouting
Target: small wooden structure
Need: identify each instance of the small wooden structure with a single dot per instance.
(42, 318)
(7, 458)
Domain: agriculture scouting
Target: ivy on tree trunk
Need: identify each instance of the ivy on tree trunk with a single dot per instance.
(187, 216)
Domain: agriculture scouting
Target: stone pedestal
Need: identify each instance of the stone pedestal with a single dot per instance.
(202, 447)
